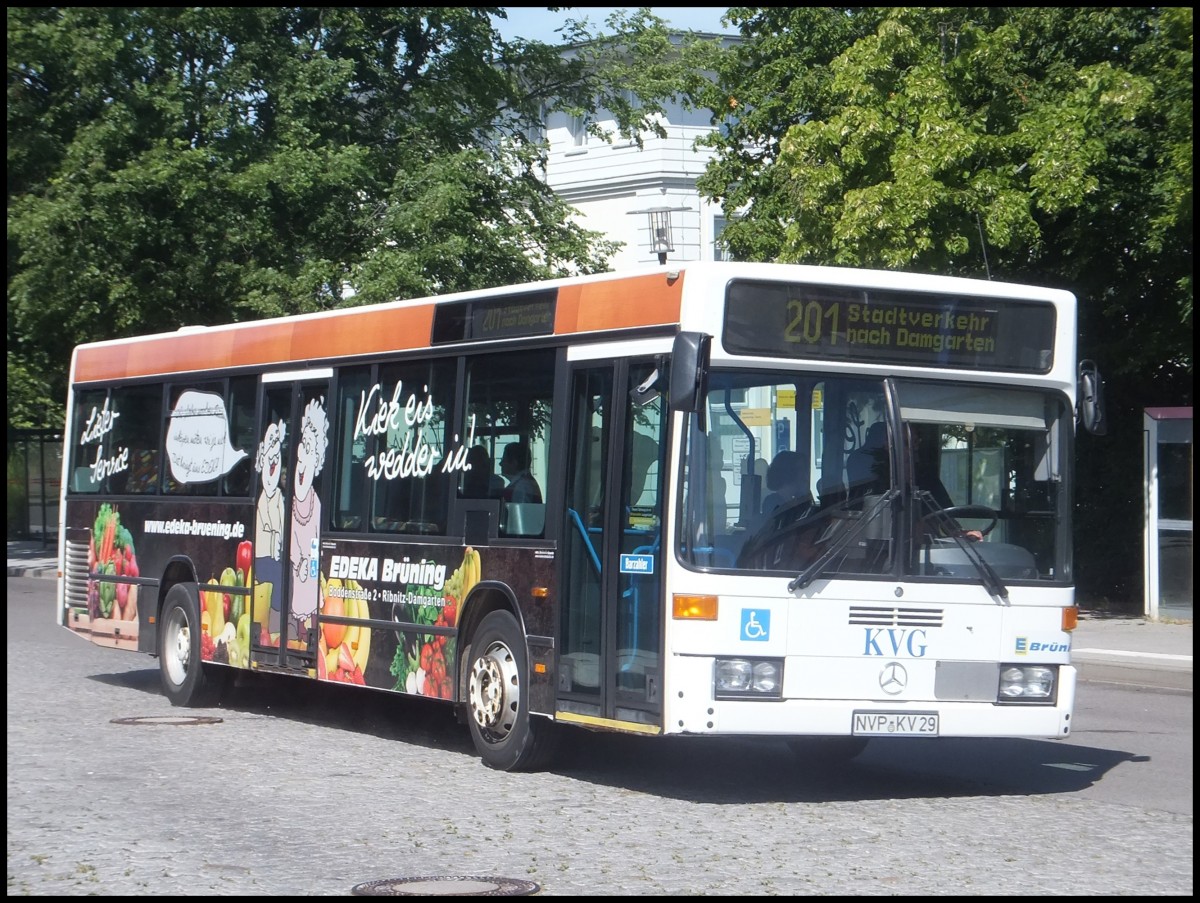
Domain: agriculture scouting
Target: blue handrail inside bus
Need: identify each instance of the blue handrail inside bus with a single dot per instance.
(587, 540)
(633, 594)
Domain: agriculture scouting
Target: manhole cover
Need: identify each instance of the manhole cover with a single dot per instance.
(446, 886)
(175, 720)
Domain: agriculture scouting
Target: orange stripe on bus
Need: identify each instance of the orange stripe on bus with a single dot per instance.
(258, 344)
(618, 304)
(650, 300)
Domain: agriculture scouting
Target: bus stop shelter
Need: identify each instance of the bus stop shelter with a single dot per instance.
(1168, 528)
(34, 475)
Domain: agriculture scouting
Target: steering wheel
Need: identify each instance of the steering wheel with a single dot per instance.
(976, 512)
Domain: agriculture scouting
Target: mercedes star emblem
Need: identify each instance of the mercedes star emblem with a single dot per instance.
(893, 678)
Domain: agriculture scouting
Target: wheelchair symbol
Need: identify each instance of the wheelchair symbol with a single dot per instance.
(752, 627)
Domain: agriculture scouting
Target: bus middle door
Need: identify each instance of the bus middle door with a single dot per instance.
(294, 439)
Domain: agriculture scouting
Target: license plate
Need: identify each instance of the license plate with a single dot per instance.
(894, 724)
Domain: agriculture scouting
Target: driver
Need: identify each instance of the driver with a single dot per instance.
(927, 478)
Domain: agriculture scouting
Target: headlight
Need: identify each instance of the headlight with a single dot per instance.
(733, 675)
(748, 678)
(767, 676)
(1027, 683)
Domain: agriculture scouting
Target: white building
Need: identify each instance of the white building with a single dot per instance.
(608, 183)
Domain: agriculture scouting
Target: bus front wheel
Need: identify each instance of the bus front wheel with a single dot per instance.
(184, 678)
(505, 735)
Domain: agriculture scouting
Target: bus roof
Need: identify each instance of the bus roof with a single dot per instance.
(602, 303)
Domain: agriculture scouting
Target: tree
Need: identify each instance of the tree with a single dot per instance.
(173, 165)
(1049, 145)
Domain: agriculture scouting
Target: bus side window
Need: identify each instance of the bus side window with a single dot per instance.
(87, 443)
(137, 417)
(197, 418)
(410, 491)
(243, 434)
(508, 403)
(350, 455)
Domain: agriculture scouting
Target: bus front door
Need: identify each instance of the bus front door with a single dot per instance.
(611, 650)
(293, 441)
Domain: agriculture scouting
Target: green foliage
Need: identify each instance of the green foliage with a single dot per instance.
(1050, 145)
(204, 165)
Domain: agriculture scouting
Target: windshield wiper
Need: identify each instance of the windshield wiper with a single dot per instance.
(839, 543)
(937, 514)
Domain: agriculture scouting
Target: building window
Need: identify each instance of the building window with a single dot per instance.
(536, 132)
(578, 126)
(720, 251)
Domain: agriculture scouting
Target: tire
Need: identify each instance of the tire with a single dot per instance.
(185, 680)
(505, 735)
(826, 750)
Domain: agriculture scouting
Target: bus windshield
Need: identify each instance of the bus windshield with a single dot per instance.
(812, 475)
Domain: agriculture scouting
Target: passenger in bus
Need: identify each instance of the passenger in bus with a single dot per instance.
(479, 480)
(787, 478)
(779, 528)
(514, 464)
(868, 471)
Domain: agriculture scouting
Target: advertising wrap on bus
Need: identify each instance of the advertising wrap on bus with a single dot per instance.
(122, 543)
(415, 589)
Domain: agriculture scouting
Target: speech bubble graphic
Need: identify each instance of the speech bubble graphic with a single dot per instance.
(198, 439)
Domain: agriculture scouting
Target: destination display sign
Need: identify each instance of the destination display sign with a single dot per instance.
(886, 326)
(527, 314)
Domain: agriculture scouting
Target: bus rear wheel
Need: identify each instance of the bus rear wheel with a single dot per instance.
(185, 681)
(505, 735)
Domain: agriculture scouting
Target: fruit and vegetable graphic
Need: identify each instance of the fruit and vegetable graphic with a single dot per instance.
(245, 562)
(261, 609)
(421, 662)
(225, 618)
(343, 649)
(110, 551)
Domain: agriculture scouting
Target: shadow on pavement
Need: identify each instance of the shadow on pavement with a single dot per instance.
(700, 769)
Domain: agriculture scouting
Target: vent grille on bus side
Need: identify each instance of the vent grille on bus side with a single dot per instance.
(888, 616)
(76, 576)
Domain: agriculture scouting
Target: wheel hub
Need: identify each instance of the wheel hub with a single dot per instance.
(183, 645)
(177, 648)
(494, 690)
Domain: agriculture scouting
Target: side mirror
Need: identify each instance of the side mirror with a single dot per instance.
(1090, 410)
(689, 367)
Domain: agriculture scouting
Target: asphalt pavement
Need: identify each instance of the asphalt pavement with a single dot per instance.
(329, 801)
(1119, 648)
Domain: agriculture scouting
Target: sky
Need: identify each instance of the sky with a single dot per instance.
(538, 24)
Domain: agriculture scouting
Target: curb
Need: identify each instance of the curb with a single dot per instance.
(32, 571)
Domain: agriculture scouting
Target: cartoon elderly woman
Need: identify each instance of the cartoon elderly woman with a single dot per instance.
(268, 519)
(306, 517)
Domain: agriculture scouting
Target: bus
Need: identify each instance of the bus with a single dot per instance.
(715, 499)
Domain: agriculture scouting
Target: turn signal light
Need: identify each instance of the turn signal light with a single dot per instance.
(696, 608)
(1070, 618)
